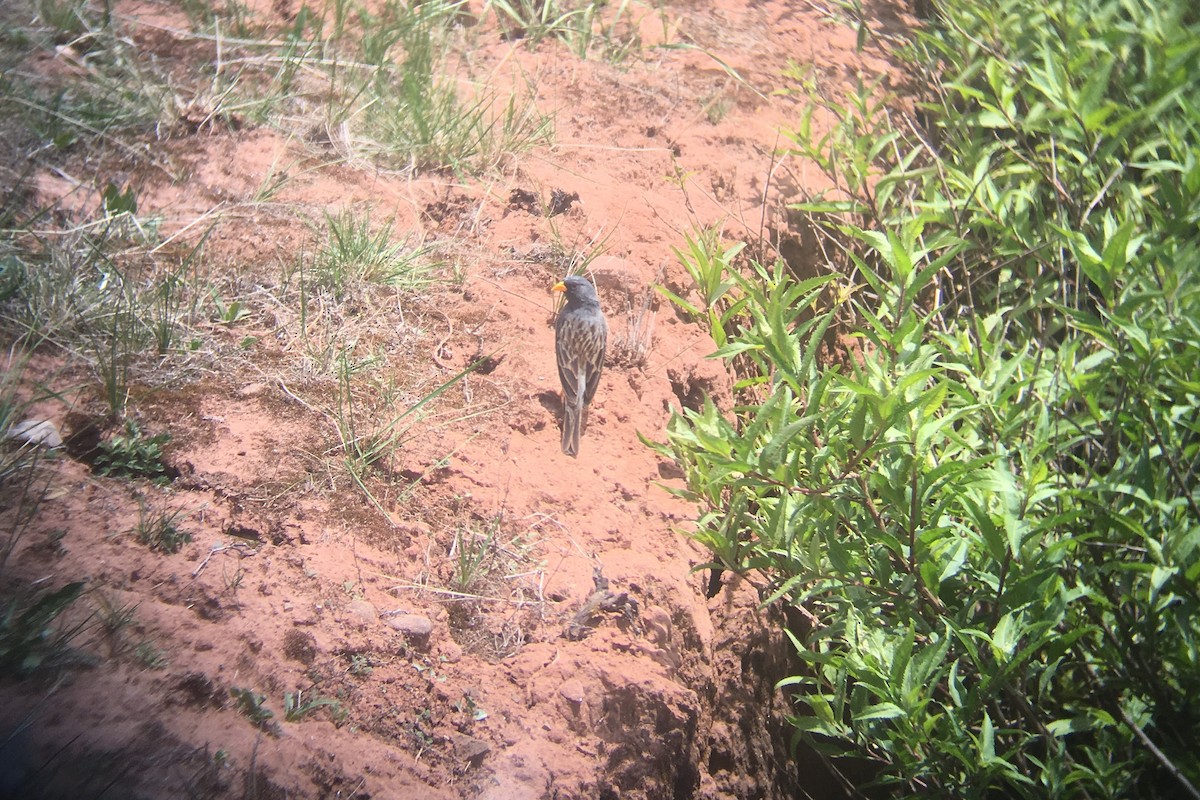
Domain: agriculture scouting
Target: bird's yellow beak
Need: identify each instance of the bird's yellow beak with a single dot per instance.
(559, 287)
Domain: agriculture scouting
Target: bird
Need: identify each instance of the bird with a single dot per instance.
(580, 336)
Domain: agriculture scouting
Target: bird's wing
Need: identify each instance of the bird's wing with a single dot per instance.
(595, 360)
(570, 371)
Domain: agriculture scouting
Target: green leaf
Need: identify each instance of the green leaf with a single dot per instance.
(879, 711)
(987, 739)
(954, 565)
(1064, 727)
(733, 349)
(772, 453)
(677, 300)
(1005, 637)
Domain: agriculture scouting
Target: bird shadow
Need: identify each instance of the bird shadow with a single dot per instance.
(552, 402)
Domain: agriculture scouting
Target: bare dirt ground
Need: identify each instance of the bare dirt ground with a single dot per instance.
(294, 581)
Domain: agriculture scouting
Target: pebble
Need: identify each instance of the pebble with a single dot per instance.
(40, 432)
(415, 627)
(362, 611)
(572, 691)
(470, 749)
(452, 653)
(253, 390)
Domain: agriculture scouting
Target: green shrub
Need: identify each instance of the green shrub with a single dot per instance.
(987, 514)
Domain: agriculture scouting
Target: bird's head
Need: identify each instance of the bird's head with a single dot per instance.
(577, 289)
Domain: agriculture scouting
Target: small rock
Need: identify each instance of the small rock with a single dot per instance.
(362, 611)
(40, 432)
(415, 627)
(572, 691)
(253, 390)
(452, 653)
(470, 749)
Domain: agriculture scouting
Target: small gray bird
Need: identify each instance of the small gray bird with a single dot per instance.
(580, 336)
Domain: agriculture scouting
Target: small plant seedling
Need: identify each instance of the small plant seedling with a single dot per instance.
(160, 532)
(296, 708)
(228, 313)
(250, 704)
(233, 580)
(116, 618)
(115, 202)
(475, 557)
(416, 729)
(468, 706)
(134, 455)
(150, 656)
(360, 665)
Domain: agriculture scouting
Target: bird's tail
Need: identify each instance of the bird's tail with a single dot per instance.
(570, 428)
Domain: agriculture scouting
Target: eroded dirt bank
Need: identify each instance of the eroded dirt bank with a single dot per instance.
(443, 603)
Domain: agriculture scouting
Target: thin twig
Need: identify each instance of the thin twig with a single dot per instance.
(221, 548)
(416, 587)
